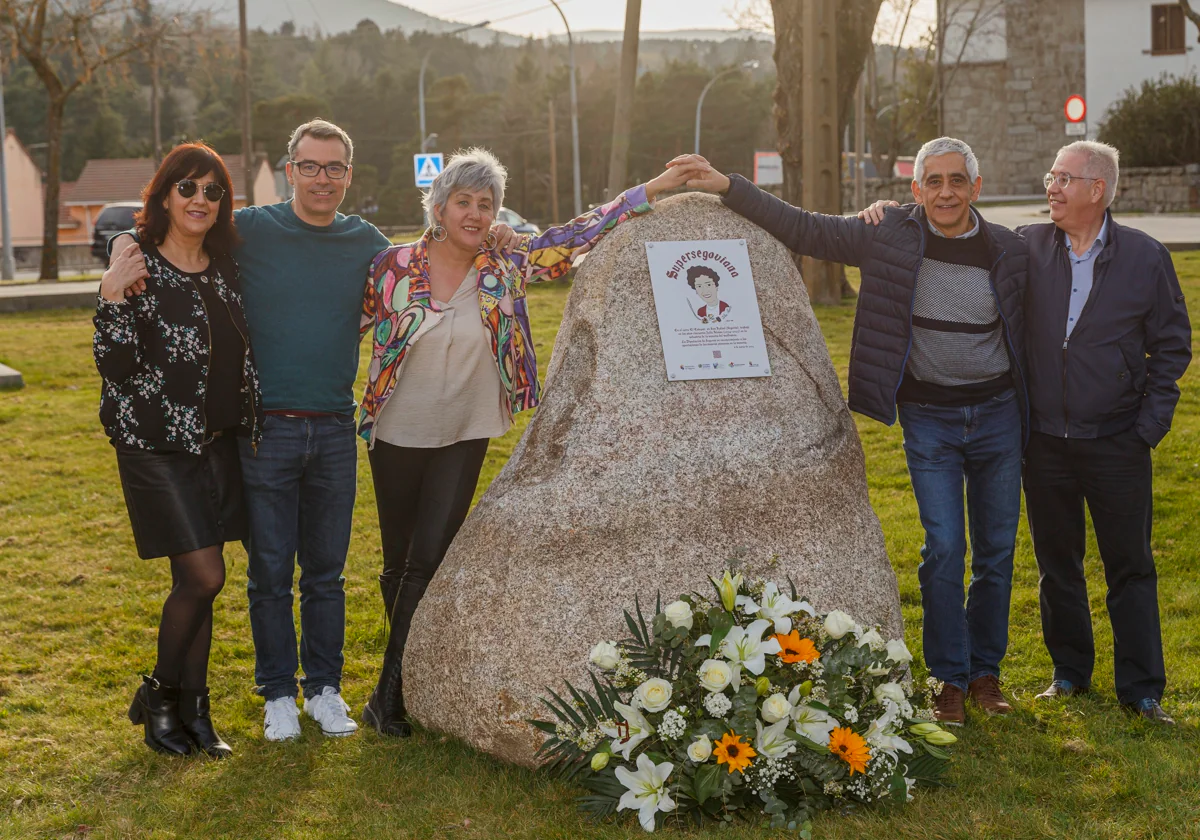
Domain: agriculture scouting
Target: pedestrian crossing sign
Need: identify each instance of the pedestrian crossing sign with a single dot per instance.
(426, 168)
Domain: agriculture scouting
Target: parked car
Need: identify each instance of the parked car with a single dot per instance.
(516, 221)
(113, 219)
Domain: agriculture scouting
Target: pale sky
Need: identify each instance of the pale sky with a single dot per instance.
(538, 17)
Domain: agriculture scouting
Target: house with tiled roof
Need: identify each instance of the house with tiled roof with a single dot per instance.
(106, 180)
(25, 192)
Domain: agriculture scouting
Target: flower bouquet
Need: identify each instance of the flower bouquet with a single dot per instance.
(751, 705)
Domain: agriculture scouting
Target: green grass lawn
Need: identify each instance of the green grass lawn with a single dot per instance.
(78, 614)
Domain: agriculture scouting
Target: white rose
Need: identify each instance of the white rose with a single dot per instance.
(872, 639)
(715, 675)
(890, 691)
(679, 614)
(897, 652)
(879, 670)
(775, 708)
(605, 655)
(653, 695)
(700, 749)
(838, 624)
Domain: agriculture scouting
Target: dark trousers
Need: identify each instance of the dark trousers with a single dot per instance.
(423, 496)
(1113, 475)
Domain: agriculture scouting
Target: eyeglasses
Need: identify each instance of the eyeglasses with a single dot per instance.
(212, 190)
(310, 168)
(1063, 179)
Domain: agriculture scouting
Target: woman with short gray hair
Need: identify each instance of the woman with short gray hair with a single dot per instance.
(452, 362)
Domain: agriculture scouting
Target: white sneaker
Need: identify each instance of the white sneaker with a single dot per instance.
(330, 711)
(282, 721)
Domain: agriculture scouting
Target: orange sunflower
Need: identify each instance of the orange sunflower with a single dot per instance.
(796, 649)
(850, 747)
(733, 751)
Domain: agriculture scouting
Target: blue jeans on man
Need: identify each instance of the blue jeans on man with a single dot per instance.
(979, 445)
(300, 488)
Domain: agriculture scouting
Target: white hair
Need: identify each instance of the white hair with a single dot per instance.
(946, 146)
(321, 130)
(472, 169)
(1102, 161)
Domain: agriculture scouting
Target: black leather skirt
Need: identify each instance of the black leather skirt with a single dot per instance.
(179, 502)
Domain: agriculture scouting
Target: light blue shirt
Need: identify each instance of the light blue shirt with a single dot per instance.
(1082, 275)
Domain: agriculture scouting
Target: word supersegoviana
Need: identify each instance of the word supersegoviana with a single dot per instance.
(707, 256)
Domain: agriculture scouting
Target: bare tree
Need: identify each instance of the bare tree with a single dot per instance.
(1192, 14)
(905, 99)
(67, 42)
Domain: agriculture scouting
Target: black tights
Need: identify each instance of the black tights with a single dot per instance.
(185, 633)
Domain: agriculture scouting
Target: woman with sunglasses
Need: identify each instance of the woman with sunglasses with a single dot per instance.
(179, 385)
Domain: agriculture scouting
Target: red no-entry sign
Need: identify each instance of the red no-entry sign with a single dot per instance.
(1075, 109)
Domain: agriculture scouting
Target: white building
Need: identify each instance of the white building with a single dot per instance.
(1129, 42)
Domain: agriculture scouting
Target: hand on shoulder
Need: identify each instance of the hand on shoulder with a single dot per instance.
(126, 274)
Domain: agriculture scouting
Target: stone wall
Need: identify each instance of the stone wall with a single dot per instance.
(1159, 189)
(1011, 112)
(889, 189)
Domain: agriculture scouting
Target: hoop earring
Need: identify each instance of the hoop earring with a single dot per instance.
(438, 233)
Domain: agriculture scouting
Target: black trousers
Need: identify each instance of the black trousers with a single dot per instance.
(1113, 475)
(423, 496)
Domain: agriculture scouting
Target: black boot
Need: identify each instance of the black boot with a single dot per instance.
(156, 707)
(389, 588)
(385, 708)
(194, 715)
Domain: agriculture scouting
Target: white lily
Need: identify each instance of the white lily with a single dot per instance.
(881, 732)
(775, 607)
(647, 792)
(814, 724)
(638, 730)
(772, 741)
(744, 646)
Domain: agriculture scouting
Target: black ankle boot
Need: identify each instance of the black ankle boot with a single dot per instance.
(156, 707)
(385, 709)
(194, 715)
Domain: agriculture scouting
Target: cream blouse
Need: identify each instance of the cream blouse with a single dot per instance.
(449, 389)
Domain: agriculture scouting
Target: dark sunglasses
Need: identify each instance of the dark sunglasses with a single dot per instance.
(212, 190)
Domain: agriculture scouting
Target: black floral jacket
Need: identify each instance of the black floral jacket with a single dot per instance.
(152, 351)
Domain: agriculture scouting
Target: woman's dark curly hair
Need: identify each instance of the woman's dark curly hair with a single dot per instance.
(697, 271)
(187, 160)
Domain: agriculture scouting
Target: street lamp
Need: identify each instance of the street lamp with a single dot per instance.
(745, 65)
(574, 111)
(425, 138)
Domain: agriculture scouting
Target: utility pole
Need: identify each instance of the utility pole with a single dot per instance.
(244, 67)
(8, 267)
(155, 105)
(618, 164)
(821, 190)
(553, 168)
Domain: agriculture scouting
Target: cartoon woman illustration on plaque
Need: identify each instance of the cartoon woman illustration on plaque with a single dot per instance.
(704, 282)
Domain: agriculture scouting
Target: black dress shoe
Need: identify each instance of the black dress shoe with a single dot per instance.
(1060, 689)
(1149, 709)
(156, 708)
(194, 716)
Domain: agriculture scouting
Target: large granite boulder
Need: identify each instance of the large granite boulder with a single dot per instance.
(626, 484)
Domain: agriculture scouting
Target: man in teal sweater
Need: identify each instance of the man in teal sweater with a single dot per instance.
(303, 270)
(304, 266)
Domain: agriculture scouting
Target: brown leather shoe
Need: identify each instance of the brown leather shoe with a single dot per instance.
(985, 691)
(948, 706)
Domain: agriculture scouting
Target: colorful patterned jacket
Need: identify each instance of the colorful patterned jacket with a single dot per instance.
(399, 304)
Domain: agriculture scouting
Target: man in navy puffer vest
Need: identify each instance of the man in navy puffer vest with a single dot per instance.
(938, 339)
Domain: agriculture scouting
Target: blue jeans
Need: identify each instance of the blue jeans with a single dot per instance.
(980, 444)
(300, 490)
